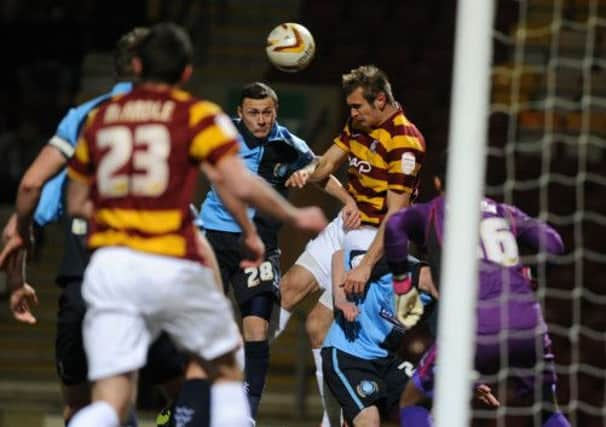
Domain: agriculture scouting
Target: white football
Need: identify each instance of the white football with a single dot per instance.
(290, 47)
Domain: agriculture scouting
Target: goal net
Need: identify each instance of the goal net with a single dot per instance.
(546, 154)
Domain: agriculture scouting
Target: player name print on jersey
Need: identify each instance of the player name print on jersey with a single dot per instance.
(139, 111)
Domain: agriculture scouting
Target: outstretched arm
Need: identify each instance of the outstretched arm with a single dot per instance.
(356, 279)
(17, 231)
(350, 212)
(231, 173)
(350, 310)
(46, 165)
(403, 226)
(319, 169)
(255, 249)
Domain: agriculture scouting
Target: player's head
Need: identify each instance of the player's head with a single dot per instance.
(125, 51)
(258, 108)
(165, 55)
(368, 93)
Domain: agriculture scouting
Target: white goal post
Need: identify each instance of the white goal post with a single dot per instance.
(466, 165)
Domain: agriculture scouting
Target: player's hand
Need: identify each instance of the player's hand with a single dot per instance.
(253, 251)
(409, 307)
(351, 216)
(21, 301)
(484, 394)
(310, 219)
(350, 310)
(15, 239)
(356, 279)
(22, 294)
(298, 179)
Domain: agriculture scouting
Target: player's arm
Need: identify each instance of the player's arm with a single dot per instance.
(22, 295)
(356, 279)
(46, 165)
(401, 227)
(253, 244)
(534, 233)
(80, 173)
(349, 309)
(231, 173)
(351, 214)
(78, 203)
(17, 232)
(319, 169)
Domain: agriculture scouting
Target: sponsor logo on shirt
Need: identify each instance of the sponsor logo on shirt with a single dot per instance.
(361, 165)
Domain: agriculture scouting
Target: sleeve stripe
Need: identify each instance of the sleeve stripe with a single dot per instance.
(207, 141)
(200, 111)
(63, 146)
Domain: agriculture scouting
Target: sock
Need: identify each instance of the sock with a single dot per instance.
(316, 352)
(257, 362)
(277, 323)
(415, 416)
(229, 406)
(332, 409)
(240, 358)
(557, 419)
(98, 414)
(192, 406)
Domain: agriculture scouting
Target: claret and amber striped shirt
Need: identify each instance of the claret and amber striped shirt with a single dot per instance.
(388, 158)
(140, 152)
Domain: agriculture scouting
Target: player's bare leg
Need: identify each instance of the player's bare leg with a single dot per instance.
(368, 417)
(112, 398)
(296, 284)
(226, 377)
(316, 325)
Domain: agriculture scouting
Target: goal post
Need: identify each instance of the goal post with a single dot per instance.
(466, 165)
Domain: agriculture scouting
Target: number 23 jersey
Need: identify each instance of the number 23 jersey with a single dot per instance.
(140, 153)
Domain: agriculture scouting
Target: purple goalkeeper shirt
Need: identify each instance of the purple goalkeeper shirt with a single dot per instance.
(505, 297)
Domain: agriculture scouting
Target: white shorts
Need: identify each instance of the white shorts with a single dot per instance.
(359, 239)
(132, 296)
(317, 257)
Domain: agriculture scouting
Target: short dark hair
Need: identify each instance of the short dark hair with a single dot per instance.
(125, 50)
(372, 81)
(165, 53)
(258, 90)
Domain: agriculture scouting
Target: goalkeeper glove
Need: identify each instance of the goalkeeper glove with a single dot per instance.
(409, 307)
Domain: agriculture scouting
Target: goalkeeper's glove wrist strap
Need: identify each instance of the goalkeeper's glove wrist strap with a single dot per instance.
(402, 284)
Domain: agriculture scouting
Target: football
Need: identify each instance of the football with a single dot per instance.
(290, 47)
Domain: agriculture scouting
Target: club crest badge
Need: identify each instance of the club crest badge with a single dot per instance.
(367, 388)
(373, 146)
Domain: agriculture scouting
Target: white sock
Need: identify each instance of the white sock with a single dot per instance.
(97, 414)
(229, 405)
(332, 408)
(277, 325)
(320, 380)
(240, 358)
